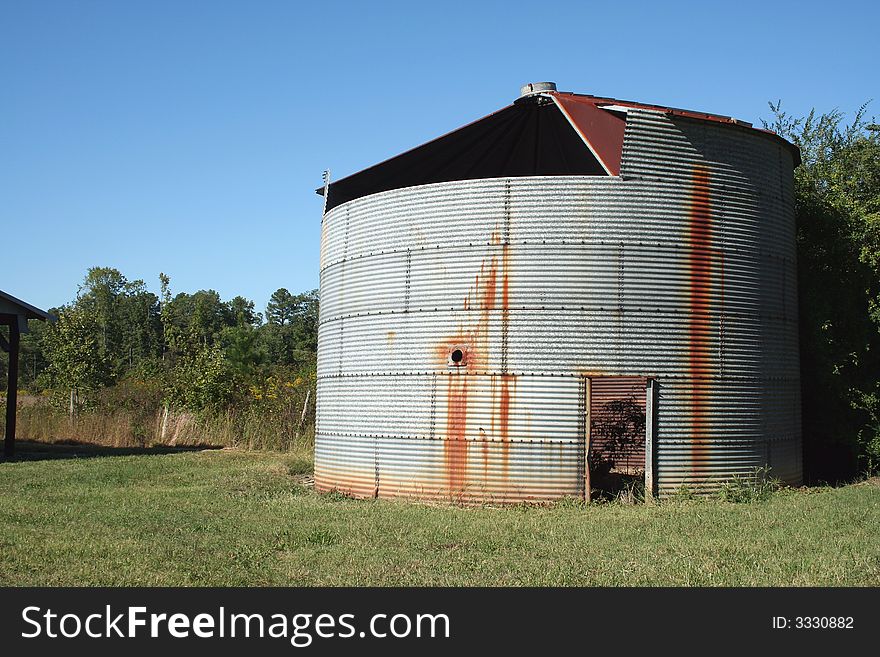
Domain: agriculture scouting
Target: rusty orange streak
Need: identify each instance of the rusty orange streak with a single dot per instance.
(456, 446)
(476, 341)
(504, 419)
(489, 291)
(506, 379)
(699, 327)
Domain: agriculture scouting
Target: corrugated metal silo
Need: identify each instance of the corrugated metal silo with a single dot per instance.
(498, 303)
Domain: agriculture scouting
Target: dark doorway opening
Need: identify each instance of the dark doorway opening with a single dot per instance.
(616, 438)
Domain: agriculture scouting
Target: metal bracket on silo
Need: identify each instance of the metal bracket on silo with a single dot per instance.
(650, 433)
(326, 177)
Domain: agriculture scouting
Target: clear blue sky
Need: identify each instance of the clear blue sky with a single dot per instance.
(188, 137)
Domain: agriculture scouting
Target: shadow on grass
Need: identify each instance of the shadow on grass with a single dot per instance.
(26, 450)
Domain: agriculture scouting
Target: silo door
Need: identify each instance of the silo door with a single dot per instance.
(617, 432)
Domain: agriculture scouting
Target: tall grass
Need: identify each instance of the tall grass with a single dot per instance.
(257, 425)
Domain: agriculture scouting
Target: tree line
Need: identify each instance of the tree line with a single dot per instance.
(837, 204)
(191, 351)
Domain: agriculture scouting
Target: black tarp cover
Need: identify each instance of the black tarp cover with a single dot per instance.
(529, 138)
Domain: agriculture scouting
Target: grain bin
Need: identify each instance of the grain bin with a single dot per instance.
(570, 293)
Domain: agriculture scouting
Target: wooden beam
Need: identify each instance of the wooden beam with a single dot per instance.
(12, 390)
(650, 420)
(588, 429)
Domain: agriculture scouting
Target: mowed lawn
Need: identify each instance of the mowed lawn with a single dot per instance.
(249, 518)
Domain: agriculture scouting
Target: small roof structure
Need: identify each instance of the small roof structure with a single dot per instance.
(11, 306)
(15, 314)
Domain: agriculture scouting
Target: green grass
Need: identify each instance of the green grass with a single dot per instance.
(245, 518)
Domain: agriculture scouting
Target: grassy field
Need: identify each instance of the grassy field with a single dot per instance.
(228, 517)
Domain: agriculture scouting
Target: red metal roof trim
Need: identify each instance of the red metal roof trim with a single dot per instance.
(599, 101)
(602, 131)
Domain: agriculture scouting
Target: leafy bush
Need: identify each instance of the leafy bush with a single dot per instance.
(837, 203)
(869, 450)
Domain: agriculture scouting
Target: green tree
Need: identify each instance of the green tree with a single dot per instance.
(241, 313)
(211, 347)
(281, 308)
(837, 191)
(242, 349)
(202, 379)
(194, 319)
(290, 335)
(127, 316)
(98, 295)
(77, 362)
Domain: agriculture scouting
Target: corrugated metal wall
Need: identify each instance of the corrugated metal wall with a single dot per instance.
(681, 270)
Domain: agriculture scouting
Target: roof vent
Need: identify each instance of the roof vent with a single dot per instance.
(536, 88)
